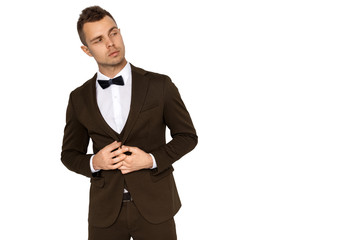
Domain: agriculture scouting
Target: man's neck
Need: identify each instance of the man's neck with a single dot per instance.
(112, 71)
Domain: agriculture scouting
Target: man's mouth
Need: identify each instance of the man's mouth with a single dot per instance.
(114, 54)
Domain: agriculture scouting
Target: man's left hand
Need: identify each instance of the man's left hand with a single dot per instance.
(136, 161)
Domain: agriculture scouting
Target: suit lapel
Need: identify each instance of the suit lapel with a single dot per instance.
(95, 111)
(138, 95)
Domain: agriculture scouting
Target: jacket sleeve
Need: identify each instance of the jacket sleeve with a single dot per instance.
(75, 143)
(177, 119)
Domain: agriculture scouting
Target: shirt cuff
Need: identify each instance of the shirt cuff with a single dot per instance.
(91, 165)
(154, 161)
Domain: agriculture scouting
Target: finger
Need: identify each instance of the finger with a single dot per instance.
(115, 153)
(112, 146)
(125, 164)
(131, 149)
(117, 165)
(119, 158)
(120, 150)
(122, 157)
(114, 160)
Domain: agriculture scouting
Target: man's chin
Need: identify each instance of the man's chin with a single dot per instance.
(114, 63)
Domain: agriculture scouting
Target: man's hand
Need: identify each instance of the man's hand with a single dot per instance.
(108, 158)
(136, 161)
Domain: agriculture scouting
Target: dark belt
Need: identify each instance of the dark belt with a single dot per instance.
(127, 197)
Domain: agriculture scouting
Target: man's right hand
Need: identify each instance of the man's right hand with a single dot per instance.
(108, 158)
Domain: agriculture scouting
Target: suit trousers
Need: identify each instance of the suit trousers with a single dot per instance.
(130, 223)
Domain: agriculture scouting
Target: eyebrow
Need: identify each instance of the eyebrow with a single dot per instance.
(112, 29)
(95, 38)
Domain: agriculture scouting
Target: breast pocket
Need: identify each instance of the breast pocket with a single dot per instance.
(149, 106)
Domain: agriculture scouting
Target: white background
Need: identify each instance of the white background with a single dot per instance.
(273, 90)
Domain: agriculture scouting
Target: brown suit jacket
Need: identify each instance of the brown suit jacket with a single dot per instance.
(155, 104)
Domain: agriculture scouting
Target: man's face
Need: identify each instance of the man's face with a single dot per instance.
(104, 43)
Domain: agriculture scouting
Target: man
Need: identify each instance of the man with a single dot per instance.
(125, 110)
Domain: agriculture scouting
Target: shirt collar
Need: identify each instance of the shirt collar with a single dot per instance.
(125, 73)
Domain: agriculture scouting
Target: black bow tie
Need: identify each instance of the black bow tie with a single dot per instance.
(106, 83)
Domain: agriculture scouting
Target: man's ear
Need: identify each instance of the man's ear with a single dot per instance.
(86, 50)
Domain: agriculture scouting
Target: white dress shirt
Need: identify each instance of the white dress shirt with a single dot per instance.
(114, 103)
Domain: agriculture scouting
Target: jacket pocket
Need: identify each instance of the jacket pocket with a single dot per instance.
(97, 181)
(158, 177)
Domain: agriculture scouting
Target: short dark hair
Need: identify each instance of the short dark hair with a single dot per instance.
(90, 14)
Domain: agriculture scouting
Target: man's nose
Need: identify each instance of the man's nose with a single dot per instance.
(109, 43)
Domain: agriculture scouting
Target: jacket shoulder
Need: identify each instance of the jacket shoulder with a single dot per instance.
(85, 88)
(153, 76)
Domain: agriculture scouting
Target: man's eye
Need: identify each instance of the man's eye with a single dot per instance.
(113, 34)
